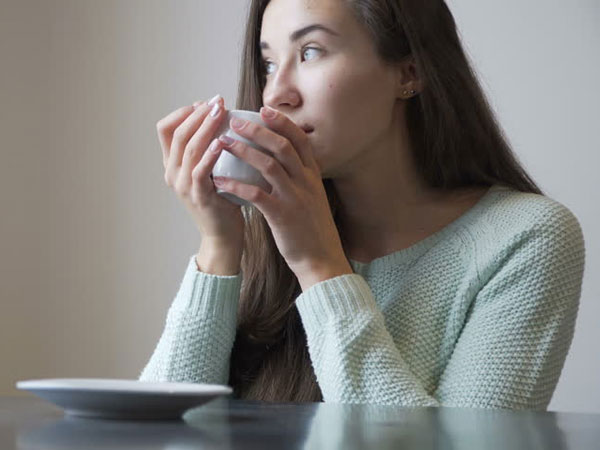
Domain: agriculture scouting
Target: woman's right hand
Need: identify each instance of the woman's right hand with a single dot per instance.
(185, 136)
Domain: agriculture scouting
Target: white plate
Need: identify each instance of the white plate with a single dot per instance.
(123, 399)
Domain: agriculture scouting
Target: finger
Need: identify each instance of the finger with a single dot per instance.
(277, 144)
(284, 126)
(253, 194)
(198, 143)
(267, 165)
(166, 126)
(201, 181)
(183, 133)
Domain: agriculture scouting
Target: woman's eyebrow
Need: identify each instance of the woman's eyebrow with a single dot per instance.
(301, 32)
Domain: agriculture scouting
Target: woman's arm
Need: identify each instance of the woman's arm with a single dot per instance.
(513, 346)
(200, 329)
(510, 352)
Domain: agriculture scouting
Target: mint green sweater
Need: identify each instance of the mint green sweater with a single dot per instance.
(479, 314)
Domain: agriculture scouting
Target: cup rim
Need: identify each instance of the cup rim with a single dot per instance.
(252, 116)
(243, 111)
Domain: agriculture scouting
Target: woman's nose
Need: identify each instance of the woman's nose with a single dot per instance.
(282, 90)
(279, 99)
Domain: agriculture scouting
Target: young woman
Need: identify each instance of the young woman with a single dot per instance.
(402, 256)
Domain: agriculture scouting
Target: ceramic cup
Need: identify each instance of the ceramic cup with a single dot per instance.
(230, 166)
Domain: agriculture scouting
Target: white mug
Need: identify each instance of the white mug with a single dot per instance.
(230, 166)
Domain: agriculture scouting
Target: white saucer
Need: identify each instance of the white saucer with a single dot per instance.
(123, 399)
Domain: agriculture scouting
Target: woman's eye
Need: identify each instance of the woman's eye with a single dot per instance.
(305, 49)
(266, 64)
(302, 52)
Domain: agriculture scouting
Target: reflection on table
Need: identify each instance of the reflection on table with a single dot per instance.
(226, 423)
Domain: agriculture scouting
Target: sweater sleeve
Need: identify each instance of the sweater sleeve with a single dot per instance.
(509, 354)
(352, 352)
(513, 346)
(196, 343)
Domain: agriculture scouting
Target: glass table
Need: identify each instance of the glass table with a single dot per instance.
(227, 423)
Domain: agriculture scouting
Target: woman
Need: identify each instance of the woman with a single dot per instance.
(402, 255)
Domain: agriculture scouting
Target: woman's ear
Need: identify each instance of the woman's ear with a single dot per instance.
(408, 82)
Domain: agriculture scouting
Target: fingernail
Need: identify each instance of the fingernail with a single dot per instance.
(268, 112)
(215, 110)
(236, 122)
(214, 146)
(214, 100)
(226, 139)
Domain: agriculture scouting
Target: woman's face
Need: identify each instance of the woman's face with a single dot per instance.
(333, 82)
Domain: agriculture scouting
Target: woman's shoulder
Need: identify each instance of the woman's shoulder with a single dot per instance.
(526, 231)
(508, 215)
(510, 207)
(507, 218)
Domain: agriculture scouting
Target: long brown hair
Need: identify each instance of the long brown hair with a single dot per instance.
(457, 143)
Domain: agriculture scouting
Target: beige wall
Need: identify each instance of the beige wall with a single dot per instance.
(94, 244)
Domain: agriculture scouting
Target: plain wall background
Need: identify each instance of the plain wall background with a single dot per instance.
(94, 244)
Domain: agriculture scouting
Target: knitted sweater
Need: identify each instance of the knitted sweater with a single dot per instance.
(478, 314)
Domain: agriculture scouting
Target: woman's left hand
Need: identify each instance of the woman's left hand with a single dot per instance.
(296, 209)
